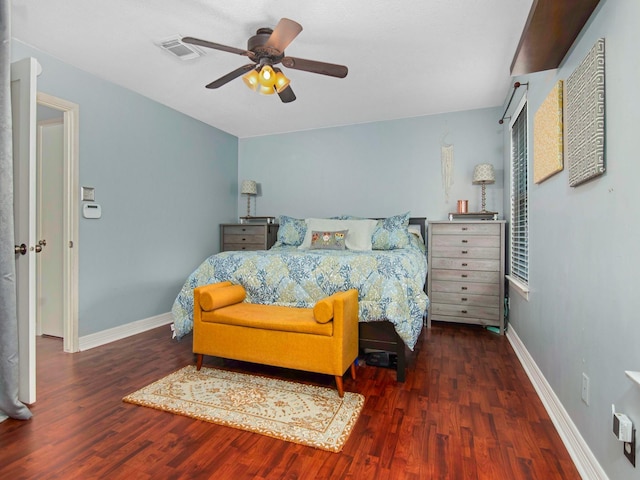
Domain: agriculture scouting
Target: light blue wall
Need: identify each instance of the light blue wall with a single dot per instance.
(374, 169)
(582, 315)
(165, 182)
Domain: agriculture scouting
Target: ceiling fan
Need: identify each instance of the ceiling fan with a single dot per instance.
(266, 49)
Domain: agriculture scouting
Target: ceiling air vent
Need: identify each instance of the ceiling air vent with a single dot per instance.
(183, 51)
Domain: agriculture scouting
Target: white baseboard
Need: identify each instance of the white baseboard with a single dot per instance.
(123, 331)
(582, 457)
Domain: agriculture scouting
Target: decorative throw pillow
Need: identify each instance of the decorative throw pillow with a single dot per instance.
(291, 231)
(358, 238)
(328, 240)
(392, 233)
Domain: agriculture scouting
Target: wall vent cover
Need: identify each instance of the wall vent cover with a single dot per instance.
(183, 51)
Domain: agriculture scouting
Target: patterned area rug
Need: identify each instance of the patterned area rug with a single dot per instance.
(304, 414)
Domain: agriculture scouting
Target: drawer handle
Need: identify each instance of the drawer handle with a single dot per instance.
(464, 299)
(464, 275)
(464, 252)
(464, 264)
(463, 311)
(463, 288)
(465, 241)
(464, 229)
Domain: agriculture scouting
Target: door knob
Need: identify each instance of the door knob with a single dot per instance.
(21, 249)
(40, 244)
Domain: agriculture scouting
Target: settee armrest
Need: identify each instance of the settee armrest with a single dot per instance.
(217, 295)
(345, 314)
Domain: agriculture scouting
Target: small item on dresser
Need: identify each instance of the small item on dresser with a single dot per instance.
(463, 206)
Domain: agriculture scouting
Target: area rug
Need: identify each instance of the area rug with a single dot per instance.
(295, 412)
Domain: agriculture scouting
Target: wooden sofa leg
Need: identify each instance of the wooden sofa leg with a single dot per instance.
(340, 386)
(353, 370)
(199, 358)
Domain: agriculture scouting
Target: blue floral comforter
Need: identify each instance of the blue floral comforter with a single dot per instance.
(390, 282)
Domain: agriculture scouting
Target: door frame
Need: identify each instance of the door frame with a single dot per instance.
(70, 114)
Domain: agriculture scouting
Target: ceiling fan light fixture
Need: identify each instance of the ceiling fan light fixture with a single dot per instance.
(282, 82)
(267, 77)
(251, 80)
(264, 90)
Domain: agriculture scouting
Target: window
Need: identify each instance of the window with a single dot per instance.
(519, 259)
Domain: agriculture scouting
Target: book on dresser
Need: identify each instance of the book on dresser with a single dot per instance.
(466, 272)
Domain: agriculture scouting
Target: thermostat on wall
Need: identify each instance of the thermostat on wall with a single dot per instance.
(91, 210)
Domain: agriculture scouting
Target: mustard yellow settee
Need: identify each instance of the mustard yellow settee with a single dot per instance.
(323, 339)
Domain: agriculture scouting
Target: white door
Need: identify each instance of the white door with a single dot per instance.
(50, 261)
(23, 104)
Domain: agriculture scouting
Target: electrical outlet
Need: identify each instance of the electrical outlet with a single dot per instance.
(585, 388)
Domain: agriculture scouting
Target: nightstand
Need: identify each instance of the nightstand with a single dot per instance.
(466, 272)
(243, 236)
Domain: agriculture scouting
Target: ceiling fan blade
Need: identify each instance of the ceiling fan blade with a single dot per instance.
(314, 66)
(231, 75)
(283, 34)
(287, 95)
(217, 46)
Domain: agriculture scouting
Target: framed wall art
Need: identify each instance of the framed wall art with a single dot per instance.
(547, 136)
(585, 117)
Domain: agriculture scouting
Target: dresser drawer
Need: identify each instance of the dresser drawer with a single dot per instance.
(465, 264)
(453, 228)
(465, 287)
(445, 309)
(464, 299)
(464, 276)
(438, 241)
(467, 252)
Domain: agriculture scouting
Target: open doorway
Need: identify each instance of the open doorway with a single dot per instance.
(57, 204)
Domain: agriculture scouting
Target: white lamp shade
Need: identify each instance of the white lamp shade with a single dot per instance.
(483, 174)
(249, 187)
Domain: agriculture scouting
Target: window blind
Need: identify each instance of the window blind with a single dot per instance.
(519, 198)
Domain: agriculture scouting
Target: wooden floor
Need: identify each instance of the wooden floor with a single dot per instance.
(466, 411)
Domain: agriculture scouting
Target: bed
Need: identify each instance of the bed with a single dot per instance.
(390, 281)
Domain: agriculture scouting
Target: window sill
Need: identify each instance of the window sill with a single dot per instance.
(519, 287)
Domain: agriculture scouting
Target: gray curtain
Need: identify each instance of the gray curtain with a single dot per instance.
(10, 406)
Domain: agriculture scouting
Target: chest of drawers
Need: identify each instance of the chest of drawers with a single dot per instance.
(465, 283)
(242, 236)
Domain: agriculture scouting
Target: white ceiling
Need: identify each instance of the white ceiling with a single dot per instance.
(406, 58)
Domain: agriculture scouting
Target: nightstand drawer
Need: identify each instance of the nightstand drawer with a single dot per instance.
(455, 228)
(235, 237)
(258, 230)
(227, 247)
(465, 264)
(241, 239)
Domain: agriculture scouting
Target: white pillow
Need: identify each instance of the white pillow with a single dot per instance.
(415, 229)
(358, 236)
